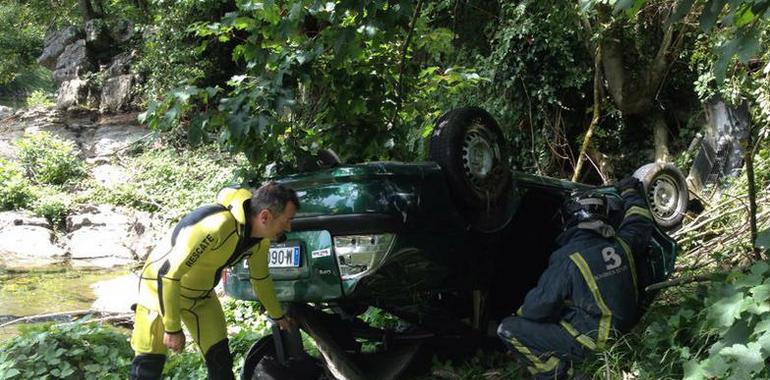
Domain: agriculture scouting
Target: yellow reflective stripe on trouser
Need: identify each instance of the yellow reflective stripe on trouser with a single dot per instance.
(605, 322)
(538, 366)
(636, 210)
(631, 263)
(585, 340)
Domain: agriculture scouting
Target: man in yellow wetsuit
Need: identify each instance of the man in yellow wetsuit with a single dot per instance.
(177, 281)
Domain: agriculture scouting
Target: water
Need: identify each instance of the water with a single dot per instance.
(41, 293)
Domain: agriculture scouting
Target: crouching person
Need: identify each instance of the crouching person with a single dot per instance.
(177, 283)
(589, 290)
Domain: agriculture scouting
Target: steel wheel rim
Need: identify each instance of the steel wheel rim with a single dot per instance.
(479, 155)
(664, 196)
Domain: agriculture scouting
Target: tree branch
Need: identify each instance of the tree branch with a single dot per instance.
(596, 111)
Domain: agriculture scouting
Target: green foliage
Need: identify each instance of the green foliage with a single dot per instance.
(739, 312)
(53, 203)
(15, 189)
(532, 100)
(168, 180)
(67, 351)
(168, 55)
(20, 42)
(246, 315)
(40, 98)
(49, 160)
(323, 75)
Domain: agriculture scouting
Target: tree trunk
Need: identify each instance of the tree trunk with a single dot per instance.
(87, 10)
(660, 133)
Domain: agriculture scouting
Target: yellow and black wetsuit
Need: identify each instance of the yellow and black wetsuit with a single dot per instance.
(178, 278)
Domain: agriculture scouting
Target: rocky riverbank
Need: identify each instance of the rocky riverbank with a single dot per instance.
(94, 235)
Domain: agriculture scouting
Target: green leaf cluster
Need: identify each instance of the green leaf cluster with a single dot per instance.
(66, 351)
(15, 189)
(739, 312)
(317, 75)
(48, 159)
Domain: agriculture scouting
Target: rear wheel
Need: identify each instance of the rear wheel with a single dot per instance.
(470, 148)
(666, 191)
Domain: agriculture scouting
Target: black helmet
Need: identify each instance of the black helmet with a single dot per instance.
(591, 210)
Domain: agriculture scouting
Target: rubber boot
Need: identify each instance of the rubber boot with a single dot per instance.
(219, 361)
(147, 367)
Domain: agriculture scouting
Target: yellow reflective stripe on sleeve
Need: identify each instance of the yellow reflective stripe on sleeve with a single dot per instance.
(605, 322)
(538, 366)
(636, 210)
(585, 340)
(631, 263)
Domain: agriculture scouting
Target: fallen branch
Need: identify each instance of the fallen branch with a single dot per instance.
(679, 281)
(596, 112)
(65, 314)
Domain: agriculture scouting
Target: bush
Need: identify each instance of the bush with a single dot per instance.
(15, 189)
(51, 203)
(67, 351)
(49, 160)
(40, 98)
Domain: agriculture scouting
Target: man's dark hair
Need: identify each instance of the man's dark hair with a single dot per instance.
(272, 196)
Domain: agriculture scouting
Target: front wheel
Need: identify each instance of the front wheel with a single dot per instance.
(470, 148)
(666, 191)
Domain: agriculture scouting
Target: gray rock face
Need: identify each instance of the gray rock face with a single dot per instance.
(116, 93)
(55, 43)
(72, 93)
(27, 243)
(106, 236)
(109, 175)
(5, 112)
(120, 64)
(110, 139)
(116, 295)
(122, 31)
(72, 62)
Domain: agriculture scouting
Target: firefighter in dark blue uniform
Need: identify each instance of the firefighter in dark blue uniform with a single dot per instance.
(589, 290)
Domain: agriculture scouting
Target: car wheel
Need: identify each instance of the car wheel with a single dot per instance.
(262, 347)
(666, 191)
(470, 148)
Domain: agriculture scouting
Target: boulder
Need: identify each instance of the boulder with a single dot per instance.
(73, 62)
(116, 93)
(110, 139)
(98, 39)
(27, 242)
(109, 176)
(55, 43)
(120, 64)
(106, 236)
(122, 31)
(5, 112)
(116, 295)
(74, 92)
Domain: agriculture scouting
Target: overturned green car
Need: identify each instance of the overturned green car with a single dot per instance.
(451, 245)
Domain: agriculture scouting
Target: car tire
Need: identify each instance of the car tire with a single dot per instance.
(666, 192)
(262, 347)
(470, 148)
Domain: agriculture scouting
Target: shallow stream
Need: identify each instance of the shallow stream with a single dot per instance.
(32, 293)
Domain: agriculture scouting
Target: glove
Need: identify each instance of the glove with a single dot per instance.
(627, 184)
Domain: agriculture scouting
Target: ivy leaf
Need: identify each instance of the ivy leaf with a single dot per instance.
(747, 356)
(715, 367)
(711, 11)
(726, 310)
(694, 371)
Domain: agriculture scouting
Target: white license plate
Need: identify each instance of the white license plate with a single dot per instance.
(283, 257)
